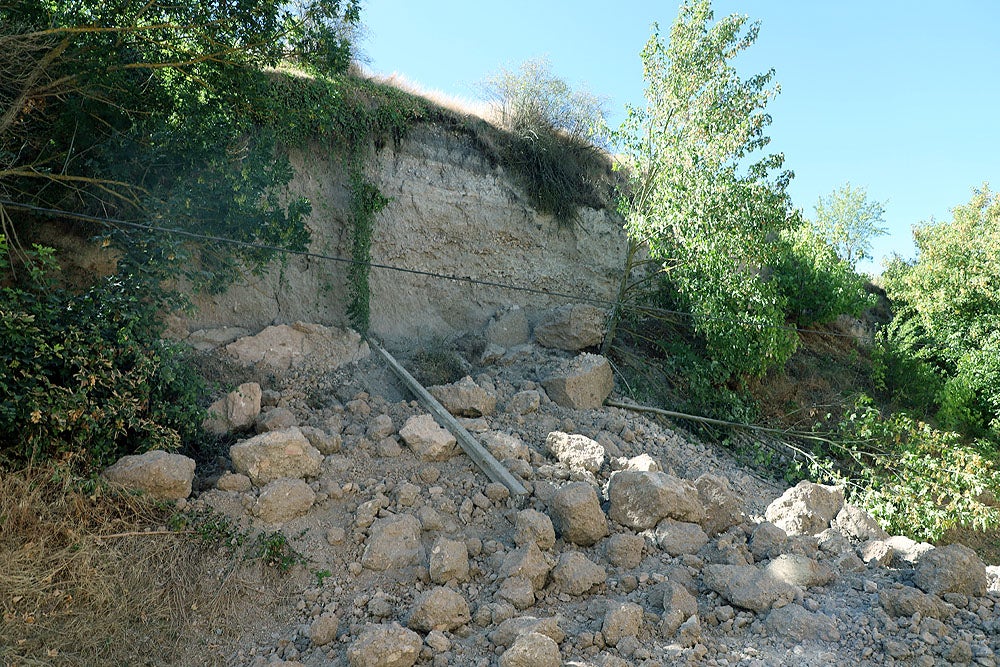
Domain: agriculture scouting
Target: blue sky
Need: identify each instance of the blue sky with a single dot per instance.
(901, 97)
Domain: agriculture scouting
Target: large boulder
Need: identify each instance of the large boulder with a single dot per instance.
(577, 515)
(439, 608)
(576, 451)
(276, 454)
(235, 411)
(951, 569)
(283, 500)
(288, 345)
(532, 649)
(747, 587)
(858, 525)
(428, 440)
(806, 508)
(162, 475)
(907, 601)
(394, 543)
(639, 500)
(576, 574)
(723, 508)
(571, 327)
(581, 383)
(794, 622)
(799, 570)
(464, 398)
(388, 645)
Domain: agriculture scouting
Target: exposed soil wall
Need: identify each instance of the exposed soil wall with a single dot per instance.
(451, 212)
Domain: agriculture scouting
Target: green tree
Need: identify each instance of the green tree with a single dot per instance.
(144, 109)
(951, 293)
(848, 220)
(709, 206)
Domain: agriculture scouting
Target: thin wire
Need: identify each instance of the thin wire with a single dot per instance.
(388, 267)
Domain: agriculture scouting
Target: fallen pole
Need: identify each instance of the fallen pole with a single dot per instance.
(479, 454)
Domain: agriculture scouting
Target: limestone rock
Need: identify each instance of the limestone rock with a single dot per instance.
(449, 560)
(575, 450)
(270, 456)
(524, 402)
(799, 570)
(508, 631)
(796, 623)
(283, 500)
(508, 328)
(532, 649)
(747, 587)
(324, 629)
(527, 562)
(906, 551)
(505, 446)
(439, 608)
(677, 603)
(723, 508)
(162, 475)
(878, 551)
(643, 463)
(394, 543)
(577, 515)
(767, 540)
(285, 346)
(858, 525)
(389, 645)
(235, 411)
(806, 508)
(428, 440)
(639, 500)
(325, 443)
(571, 327)
(518, 591)
(575, 574)
(464, 398)
(233, 482)
(680, 537)
(951, 569)
(622, 619)
(533, 526)
(625, 550)
(907, 601)
(275, 419)
(581, 383)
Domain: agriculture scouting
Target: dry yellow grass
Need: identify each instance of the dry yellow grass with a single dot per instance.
(97, 579)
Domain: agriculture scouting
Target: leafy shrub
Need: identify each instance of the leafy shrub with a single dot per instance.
(84, 376)
(816, 284)
(918, 480)
(554, 133)
(901, 371)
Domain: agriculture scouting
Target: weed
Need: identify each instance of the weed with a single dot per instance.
(274, 550)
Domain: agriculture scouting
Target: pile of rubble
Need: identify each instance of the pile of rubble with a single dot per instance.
(633, 545)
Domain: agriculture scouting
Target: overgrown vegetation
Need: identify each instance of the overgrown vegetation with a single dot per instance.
(94, 576)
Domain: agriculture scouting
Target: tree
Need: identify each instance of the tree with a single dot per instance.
(707, 205)
(951, 293)
(144, 109)
(849, 221)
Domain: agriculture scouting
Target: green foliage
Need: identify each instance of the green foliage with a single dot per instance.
(276, 551)
(553, 134)
(817, 286)
(901, 371)
(84, 377)
(917, 480)
(951, 294)
(849, 221)
(709, 214)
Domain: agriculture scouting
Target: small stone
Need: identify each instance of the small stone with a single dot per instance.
(577, 515)
(335, 535)
(449, 560)
(625, 550)
(157, 473)
(621, 620)
(283, 500)
(235, 483)
(678, 537)
(518, 591)
(275, 419)
(806, 509)
(576, 451)
(385, 646)
(954, 568)
(532, 650)
(428, 440)
(575, 574)
(639, 500)
(394, 543)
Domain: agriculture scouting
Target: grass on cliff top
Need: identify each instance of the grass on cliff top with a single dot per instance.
(92, 576)
(557, 173)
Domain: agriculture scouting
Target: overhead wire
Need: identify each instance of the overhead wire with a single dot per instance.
(112, 222)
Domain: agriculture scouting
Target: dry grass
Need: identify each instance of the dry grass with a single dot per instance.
(458, 105)
(96, 578)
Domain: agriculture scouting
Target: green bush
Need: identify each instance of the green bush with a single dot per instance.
(84, 377)
(918, 480)
(816, 284)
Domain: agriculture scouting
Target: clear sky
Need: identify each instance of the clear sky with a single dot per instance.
(901, 97)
